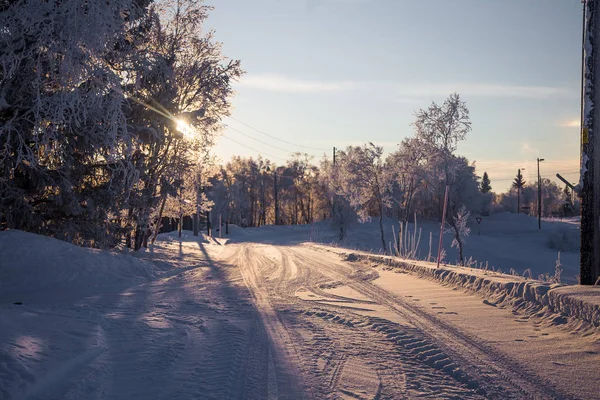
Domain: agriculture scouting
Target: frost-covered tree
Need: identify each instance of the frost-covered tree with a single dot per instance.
(363, 182)
(440, 128)
(405, 173)
(460, 229)
(66, 155)
(92, 101)
(340, 211)
(464, 196)
(258, 192)
(178, 86)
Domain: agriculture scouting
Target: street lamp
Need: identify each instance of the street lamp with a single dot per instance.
(539, 160)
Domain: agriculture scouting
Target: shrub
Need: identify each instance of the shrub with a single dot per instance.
(564, 238)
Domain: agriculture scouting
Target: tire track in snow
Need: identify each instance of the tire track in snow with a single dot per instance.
(475, 358)
(327, 349)
(288, 375)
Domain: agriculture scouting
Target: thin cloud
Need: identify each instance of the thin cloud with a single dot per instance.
(402, 93)
(349, 1)
(281, 83)
(574, 123)
(474, 89)
(526, 148)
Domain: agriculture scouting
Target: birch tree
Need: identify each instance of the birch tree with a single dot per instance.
(362, 181)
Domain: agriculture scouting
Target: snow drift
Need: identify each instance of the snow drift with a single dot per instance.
(34, 266)
(559, 301)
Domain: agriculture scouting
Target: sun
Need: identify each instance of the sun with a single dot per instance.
(184, 128)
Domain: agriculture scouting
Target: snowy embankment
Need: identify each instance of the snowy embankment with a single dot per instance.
(556, 301)
(502, 241)
(39, 269)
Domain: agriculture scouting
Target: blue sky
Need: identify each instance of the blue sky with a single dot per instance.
(324, 73)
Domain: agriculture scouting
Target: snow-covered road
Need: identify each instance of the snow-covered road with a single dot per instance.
(270, 317)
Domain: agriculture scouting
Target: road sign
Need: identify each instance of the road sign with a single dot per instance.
(478, 219)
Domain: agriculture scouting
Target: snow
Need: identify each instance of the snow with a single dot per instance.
(41, 269)
(577, 302)
(508, 241)
(264, 313)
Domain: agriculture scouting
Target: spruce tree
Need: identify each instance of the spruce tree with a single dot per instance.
(519, 184)
(485, 183)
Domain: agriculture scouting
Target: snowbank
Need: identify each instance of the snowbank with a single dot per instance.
(44, 268)
(578, 302)
(186, 237)
(504, 241)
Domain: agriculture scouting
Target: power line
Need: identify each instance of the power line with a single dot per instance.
(512, 178)
(253, 149)
(265, 143)
(276, 138)
(259, 141)
(274, 172)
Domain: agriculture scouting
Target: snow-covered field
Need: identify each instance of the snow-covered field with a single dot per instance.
(507, 241)
(265, 314)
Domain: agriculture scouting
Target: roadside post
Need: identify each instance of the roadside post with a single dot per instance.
(442, 227)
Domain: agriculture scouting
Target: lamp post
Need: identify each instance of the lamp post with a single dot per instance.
(539, 194)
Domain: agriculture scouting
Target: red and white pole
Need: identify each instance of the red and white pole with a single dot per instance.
(442, 226)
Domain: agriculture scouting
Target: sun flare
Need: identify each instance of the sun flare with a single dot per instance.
(184, 128)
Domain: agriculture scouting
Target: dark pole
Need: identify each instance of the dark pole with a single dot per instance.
(333, 200)
(539, 194)
(519, 192)
(180, 212)
(197, 214)
(275, 196)
(589, 190)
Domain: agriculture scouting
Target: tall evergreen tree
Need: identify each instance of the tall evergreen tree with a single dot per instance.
(519, 184)
(485, 183)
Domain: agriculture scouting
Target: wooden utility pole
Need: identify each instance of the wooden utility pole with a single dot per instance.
(539, 207)
(333, 199)
(275, 196)
(590, 168)
(439, 256)
(519, 191)
(198, 200)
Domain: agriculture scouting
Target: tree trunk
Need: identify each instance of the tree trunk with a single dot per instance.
(459, 241)
(381, 227)
(295, 217)
(138, 238)
(128, 236)
(159, 222)
(208, 226)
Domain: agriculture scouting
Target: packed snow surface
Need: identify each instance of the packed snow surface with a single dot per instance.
(266, 314)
